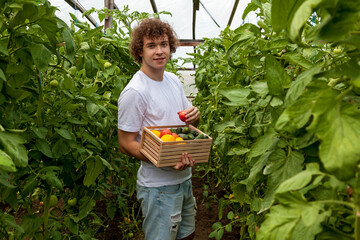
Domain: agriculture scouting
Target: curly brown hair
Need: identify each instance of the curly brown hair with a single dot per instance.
(151, 28)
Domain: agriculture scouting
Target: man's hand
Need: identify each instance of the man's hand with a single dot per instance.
(192, 116)
(186, 161)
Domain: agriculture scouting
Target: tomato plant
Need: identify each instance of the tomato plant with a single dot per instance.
(273, 96)
(58, 96)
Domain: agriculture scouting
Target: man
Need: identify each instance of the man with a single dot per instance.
(152, 98)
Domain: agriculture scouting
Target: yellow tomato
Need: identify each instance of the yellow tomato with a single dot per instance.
(179, 139)
(156, 132)
(168, 138)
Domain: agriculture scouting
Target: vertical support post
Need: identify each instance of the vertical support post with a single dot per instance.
(233, 12)
(109, 4)
(196, 6)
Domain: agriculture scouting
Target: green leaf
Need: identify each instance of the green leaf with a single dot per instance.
(4, 46)
(249, 8)
(342, 22)
(53, 180)
(2, 75)
(298, 220)
(260, 87)
(64, 133)
(5, 180)
(9, 220)
(87, 204)
(277, 44)
(228, 227)
(30, 224)
(301, 16)
(41, 55)
(94, 167)
(60, 148)
(256, 171)
(339, 133)
(230, 215)
(69, 44)
(40, 132)
(219, 234)
(13, 146)
(6, 163)
(277, 78)
(239, 191)
(263, 143)
(298, 114)
(236, 95)
(71, 225)
(297, 59)
(50, 28)
(216, 225)
(222, 126)
(91, 66)
(44, 147)
(280, 19)
(88, 137)
(280, 167)
(297, 87)
(237, 151)
(92, 108)
(111, 210)
(105, 163)
(300, 180)
(212, 234)
(30, 185)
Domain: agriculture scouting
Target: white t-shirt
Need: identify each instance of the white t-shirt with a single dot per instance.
(146, 102)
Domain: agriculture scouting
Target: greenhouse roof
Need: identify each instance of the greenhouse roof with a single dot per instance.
(191, 19)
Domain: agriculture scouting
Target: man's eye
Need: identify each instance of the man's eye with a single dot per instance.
(164, 44)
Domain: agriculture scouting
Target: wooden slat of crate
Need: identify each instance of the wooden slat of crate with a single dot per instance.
(163, 154)
(199, 157)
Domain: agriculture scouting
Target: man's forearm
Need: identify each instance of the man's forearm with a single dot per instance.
(133, 149)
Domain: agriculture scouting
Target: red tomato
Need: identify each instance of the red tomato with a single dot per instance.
(175, 135)
(165, 131)
(182, 116)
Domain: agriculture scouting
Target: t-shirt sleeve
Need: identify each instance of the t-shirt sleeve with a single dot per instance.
(131, 111)
(185, 102)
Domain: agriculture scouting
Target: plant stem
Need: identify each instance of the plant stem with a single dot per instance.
(357, 209)
(40, 102)
(46, 214)
(357, 223)
(337, 202)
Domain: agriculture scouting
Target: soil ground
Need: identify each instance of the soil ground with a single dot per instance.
(206, 216)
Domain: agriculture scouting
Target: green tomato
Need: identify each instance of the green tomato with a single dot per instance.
(53, 201)
(130, 235)
(337, 50)
(72, 202)
(107, 64)
(54, 84)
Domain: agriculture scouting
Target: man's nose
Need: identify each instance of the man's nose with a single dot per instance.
(158, 49)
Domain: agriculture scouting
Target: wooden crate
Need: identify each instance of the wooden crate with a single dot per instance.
(165, 154)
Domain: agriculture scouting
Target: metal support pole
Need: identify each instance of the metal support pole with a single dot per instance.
(109, 4)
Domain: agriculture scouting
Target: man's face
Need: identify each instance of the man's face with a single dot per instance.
(156, 52)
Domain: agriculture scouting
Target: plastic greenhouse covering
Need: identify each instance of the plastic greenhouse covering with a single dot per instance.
(211, 18)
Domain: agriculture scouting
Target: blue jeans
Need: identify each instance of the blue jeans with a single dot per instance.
(169, 211)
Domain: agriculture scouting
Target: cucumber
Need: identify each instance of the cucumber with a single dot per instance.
(186, 130)
(195, 133)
